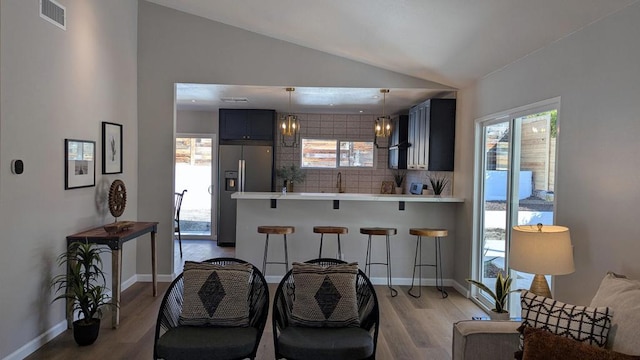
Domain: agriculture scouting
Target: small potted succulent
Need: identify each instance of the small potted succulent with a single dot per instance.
(291, 174)
(502, 291)
(438, 183)
(398, 178)
(84, 285)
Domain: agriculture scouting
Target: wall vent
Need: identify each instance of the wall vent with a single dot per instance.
(54, 13)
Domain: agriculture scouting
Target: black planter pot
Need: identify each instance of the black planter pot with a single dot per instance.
(86, 334)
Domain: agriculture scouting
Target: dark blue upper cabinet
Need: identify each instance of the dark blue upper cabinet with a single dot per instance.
(247, 125)
(431, 133)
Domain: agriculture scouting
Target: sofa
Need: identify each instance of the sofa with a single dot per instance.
(616, 305)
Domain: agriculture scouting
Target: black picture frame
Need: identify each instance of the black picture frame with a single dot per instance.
(79, 163)
(111, 148)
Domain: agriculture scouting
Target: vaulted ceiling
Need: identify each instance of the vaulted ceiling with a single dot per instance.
(453, 42)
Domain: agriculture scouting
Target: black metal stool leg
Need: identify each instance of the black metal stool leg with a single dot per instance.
(418, 265)
(439, 269)
(340, 256)
(320, 252)
(394, 292)
(266, 251)
(286, 255)
(180, 238)
(367, 261)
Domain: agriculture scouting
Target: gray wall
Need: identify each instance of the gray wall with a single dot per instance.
(177, 47)
(55, 85)
(597, 74)
(196, 122)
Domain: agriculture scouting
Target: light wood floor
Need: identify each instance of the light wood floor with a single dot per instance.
(409, 328)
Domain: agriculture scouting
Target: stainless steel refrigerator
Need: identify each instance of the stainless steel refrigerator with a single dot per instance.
(240, 168)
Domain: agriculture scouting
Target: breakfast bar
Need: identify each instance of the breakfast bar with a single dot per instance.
(306, 210)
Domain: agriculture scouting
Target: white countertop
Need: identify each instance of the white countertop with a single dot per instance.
(343, 196)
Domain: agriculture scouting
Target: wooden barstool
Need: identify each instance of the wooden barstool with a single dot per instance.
(386, 232)
(275, 230)
(338, 230)
(437, 234)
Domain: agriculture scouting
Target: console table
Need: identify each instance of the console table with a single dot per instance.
(114, 241)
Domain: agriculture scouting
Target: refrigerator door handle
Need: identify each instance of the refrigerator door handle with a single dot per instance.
(241, 174)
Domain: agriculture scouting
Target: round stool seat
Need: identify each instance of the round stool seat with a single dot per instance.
(429, 232)
(330, 230)
(277, 230)
(378, 231)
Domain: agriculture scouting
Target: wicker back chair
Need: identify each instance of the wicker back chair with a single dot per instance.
(188, 342)
(325, 343)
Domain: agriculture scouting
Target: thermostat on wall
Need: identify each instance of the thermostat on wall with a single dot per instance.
(17, 166)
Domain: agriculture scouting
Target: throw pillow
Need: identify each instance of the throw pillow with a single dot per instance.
(622, 295)
(585, 324)
(540, 344)
(325, 296)
(216, 295)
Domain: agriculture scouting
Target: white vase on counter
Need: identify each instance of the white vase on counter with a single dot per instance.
(398, 190)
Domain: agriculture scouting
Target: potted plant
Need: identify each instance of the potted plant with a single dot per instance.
(398, 178)
(84, 285)
(502, 291)
(290, 174)
(438, 183)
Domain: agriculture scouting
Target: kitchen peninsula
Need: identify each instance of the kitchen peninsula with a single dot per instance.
(352, 210)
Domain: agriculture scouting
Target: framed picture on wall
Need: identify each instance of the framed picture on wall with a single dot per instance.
(111, 148)
(80, 163)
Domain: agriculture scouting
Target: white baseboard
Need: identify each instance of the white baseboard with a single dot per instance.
(33, 345)
(464, 290)
(149, 278)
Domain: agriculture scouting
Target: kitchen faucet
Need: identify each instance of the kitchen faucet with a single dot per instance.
(339, 182)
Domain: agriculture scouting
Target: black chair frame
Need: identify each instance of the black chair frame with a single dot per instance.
(171, 306)
(368, 308)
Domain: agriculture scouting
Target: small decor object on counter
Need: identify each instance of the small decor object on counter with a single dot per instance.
(502, 291)
(291, 174)
(416, 188)
(398, 178)
(387, 187)
(438, 183)
(84, 286)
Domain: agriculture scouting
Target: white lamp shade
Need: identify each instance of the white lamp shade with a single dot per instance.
(545, 250)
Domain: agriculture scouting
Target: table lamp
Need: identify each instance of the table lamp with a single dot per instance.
(541, 250)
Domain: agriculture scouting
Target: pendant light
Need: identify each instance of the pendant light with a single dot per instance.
(382, 126)
(289, 126)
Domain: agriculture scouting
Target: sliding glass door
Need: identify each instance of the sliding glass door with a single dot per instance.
(516, 168)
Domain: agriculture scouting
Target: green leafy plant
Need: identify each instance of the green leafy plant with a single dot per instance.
(438, 183)
(291, 173)
(85, 283)
(398, 177)
(502, 291)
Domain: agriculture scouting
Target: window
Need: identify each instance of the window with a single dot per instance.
(325, 153)
(356, 154)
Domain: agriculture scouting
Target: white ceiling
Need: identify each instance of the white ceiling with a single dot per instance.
(453, 42)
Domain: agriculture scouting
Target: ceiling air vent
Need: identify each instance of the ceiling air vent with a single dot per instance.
(234, 99)
(54, 13)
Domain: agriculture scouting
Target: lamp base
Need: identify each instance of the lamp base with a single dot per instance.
(539, 286)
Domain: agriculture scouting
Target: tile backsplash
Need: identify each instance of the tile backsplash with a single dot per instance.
(343, 127)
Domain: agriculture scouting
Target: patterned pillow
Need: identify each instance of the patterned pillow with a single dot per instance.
(325, 296)
(215, 295)
(585, 324)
